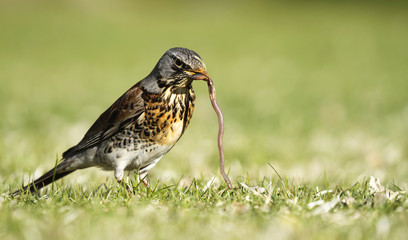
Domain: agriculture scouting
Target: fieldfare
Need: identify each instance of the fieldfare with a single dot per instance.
(141, 126)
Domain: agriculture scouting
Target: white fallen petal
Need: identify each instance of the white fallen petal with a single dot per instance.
(251, 189)
(375, 185)
(324, 207)
(208, 185)
(321, 193)
(260, 189)
(315, 203)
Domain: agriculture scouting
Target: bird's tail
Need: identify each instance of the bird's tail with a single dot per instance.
(47, 178)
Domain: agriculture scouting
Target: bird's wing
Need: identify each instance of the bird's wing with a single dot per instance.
(121, 114)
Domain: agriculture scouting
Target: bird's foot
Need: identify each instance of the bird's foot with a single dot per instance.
(127, 186)
(145, 182)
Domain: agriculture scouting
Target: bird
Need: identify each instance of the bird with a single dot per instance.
(140, 126)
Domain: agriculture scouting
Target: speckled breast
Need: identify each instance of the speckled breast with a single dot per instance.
(168, 115)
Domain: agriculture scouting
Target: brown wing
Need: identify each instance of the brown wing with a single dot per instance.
(121, 114)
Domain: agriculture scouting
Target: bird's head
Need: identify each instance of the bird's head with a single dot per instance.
(177, 68)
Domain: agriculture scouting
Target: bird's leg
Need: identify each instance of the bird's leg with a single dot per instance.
(143, 179)
(128, 188)
(119, 178)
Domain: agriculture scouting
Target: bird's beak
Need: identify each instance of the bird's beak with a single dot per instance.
(200, 74)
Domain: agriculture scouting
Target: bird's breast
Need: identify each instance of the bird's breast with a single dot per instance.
(168, 116)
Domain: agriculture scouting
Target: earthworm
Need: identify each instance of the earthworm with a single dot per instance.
(211, 90)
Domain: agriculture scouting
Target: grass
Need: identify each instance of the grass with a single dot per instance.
(274, 208)
(317, 90)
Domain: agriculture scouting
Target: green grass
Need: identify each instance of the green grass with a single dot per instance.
(274, 208)
(318, 90)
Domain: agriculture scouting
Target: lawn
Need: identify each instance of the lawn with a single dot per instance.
(315, 100)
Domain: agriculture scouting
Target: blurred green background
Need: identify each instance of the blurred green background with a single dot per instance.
(317, 89)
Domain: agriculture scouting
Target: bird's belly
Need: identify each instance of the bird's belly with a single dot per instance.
(133, 157)
(147, 156)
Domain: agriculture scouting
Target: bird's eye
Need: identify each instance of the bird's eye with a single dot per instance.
(178, 63)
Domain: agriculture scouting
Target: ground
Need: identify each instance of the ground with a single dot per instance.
(316, 117)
